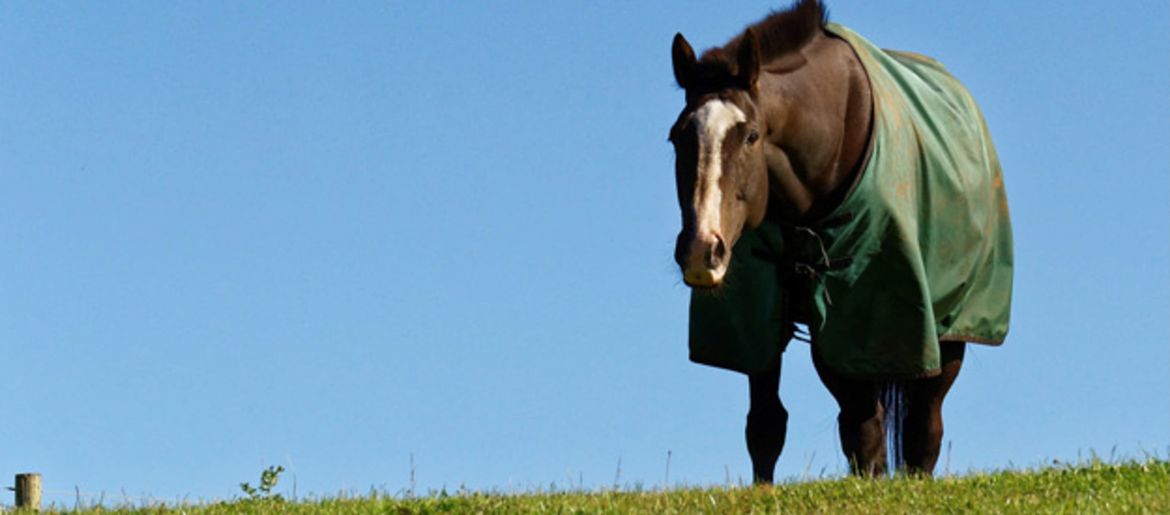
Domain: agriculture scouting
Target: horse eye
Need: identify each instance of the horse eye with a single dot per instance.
(752, 137)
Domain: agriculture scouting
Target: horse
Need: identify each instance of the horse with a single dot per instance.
(828, 184)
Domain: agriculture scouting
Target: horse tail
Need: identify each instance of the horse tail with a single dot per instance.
(894, 404)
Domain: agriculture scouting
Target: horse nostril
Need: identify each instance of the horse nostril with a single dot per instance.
(720, 249)
(716, 254)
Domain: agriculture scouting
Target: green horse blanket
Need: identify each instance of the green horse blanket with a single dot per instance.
(919, 252)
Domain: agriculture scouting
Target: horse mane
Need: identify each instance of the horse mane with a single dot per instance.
(779, 34)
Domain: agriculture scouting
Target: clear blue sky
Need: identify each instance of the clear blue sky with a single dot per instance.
(333, 236)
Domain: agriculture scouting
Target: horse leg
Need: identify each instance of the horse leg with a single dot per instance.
(923, 427)
(767, 424)
(860, 421)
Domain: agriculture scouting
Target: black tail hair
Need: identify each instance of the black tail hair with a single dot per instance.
(894, 404)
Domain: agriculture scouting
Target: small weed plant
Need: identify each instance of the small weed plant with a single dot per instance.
(263, 492)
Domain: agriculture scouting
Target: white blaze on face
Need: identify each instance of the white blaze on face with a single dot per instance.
(712, 120)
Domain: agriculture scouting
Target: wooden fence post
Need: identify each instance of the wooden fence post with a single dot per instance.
(28, 492)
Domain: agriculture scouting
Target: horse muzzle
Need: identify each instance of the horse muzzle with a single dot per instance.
(703, 260)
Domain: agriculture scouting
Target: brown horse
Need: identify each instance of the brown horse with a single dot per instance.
(777, 129)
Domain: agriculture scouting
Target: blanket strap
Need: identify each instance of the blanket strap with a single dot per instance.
(813, 269)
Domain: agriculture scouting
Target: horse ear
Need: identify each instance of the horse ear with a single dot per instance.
(683, 57)
(748, 60)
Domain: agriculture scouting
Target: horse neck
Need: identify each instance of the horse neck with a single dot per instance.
(818, 121)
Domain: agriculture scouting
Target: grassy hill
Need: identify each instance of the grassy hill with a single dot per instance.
(1135, 487)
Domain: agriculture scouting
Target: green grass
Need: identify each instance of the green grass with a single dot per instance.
(1095, 487)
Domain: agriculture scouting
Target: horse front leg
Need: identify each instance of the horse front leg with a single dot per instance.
(860, 422)
(922, 431)
(767, 424)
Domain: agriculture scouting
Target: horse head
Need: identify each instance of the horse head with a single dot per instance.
(720, 168)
